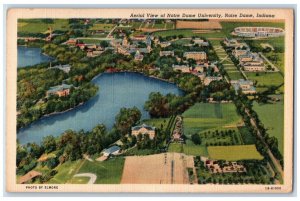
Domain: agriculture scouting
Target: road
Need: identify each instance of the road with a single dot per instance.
(269, 62)
(92, 177)
(274, 160)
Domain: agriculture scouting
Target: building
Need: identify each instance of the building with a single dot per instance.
(182, 68)
(252, 68)
(164, 44)
(166, 53)
(258, 32)
(139, 37)
(93, 53)
(209, 79)
(60, 90)
(240, 52)
(144, 130)
(226, 167)
(201, 42)
(72, 41)
(246, 86)
(198, 56)
(114, 150)
(66, 68)
(138, 56)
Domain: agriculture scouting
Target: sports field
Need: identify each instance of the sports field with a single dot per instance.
(165, 168)
(274, 125)
(203, 116)
(234, 153)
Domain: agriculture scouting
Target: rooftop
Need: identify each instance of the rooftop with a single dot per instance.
(143, 126)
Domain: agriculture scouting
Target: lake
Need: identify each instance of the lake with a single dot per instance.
(116, 90)
(28, 56)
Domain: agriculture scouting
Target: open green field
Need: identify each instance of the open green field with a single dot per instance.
(65, 172)
(235, 75)
(182, 42)
(108, 172)
(105, 27)
(234, 153)
(188, 149)
(203, 116)
(91, 41)
(266, 79)
(274, 125)
(38, 26)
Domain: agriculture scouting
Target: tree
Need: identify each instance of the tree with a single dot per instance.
(126, 118)
(196, 139)
(49, 143)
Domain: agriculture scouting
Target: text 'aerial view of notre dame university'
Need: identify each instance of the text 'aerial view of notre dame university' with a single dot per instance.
(150, 101)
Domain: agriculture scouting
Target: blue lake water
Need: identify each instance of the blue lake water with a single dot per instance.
(28, 56)
(117, 90)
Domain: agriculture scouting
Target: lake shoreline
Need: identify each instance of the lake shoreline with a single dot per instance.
(118, 90)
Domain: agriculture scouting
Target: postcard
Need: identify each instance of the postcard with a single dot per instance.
(149, 100)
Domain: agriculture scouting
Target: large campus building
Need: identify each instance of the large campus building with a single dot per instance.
(143, 130)
(258, 32)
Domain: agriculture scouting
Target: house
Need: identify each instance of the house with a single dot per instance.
(166, 53)
(143, 129)
(138, 56)
(72, 41)
(81, 45)
(29, 176)
(240, 52)
(60, 90)
(114, 150)
(246, 86)
(198, 56)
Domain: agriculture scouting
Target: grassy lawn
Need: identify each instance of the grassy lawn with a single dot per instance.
(266, 79)
(235, 75)
(188, 149)
(108, 172)
(38, 26)
(105, 27)
(65, 172)
(203, 116)
(274, 125)
(234, 153)
(182, 42)
(157, 122)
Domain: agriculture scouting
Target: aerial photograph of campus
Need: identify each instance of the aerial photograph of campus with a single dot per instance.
(150, 101)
